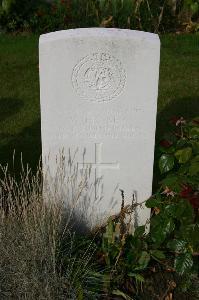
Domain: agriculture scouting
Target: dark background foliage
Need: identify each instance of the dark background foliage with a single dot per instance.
(148, 15)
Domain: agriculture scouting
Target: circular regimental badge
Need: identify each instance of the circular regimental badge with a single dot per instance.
(99, 77)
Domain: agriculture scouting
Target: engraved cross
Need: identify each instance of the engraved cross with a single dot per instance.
(98, 165)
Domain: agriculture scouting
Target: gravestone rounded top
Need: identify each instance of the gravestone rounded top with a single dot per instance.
(100, 32)
(99, 77)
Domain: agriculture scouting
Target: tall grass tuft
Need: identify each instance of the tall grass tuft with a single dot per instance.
(39, 255)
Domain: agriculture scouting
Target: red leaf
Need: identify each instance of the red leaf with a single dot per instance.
(165, 143)
(186, 191)
(194, 200)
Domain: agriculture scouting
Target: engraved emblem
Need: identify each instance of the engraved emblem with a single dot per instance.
(99, 77)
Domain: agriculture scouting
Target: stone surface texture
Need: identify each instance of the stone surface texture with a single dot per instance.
(98, 90)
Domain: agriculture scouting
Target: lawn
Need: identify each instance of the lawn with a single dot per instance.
(19, 91)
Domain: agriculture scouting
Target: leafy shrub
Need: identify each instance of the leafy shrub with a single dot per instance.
(172, 243)
(147, 15)
(189, 15)
(190, 8)
(15, 14)
(179, 158)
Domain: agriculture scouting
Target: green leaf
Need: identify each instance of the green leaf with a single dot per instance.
(144, 260)
(194, 7)
(181, 143)
(139, 231)
(172, 182)
(194, 133)
(184, 212)
(184, 168)
(152, 203)
(194, 169)
(7, 5)
(183, 155)
(190, 233)
(134, 242)
(195, 146)
(170, 210)
(159, 233)
(195, 159)
(169, 150)
(193, 237)
(166, 163)
(168, 226)
(183, 263)
(157, 254)
(177, 245)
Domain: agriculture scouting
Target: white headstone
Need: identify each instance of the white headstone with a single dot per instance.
(99, 91)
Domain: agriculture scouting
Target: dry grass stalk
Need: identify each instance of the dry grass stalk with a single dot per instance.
(31, 238)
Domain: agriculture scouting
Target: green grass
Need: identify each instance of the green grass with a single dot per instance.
(179, 79)
(19, 99)
(19, 91)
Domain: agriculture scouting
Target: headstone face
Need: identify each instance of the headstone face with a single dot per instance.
(98, 90)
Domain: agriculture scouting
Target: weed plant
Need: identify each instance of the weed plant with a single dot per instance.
(40, 256)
